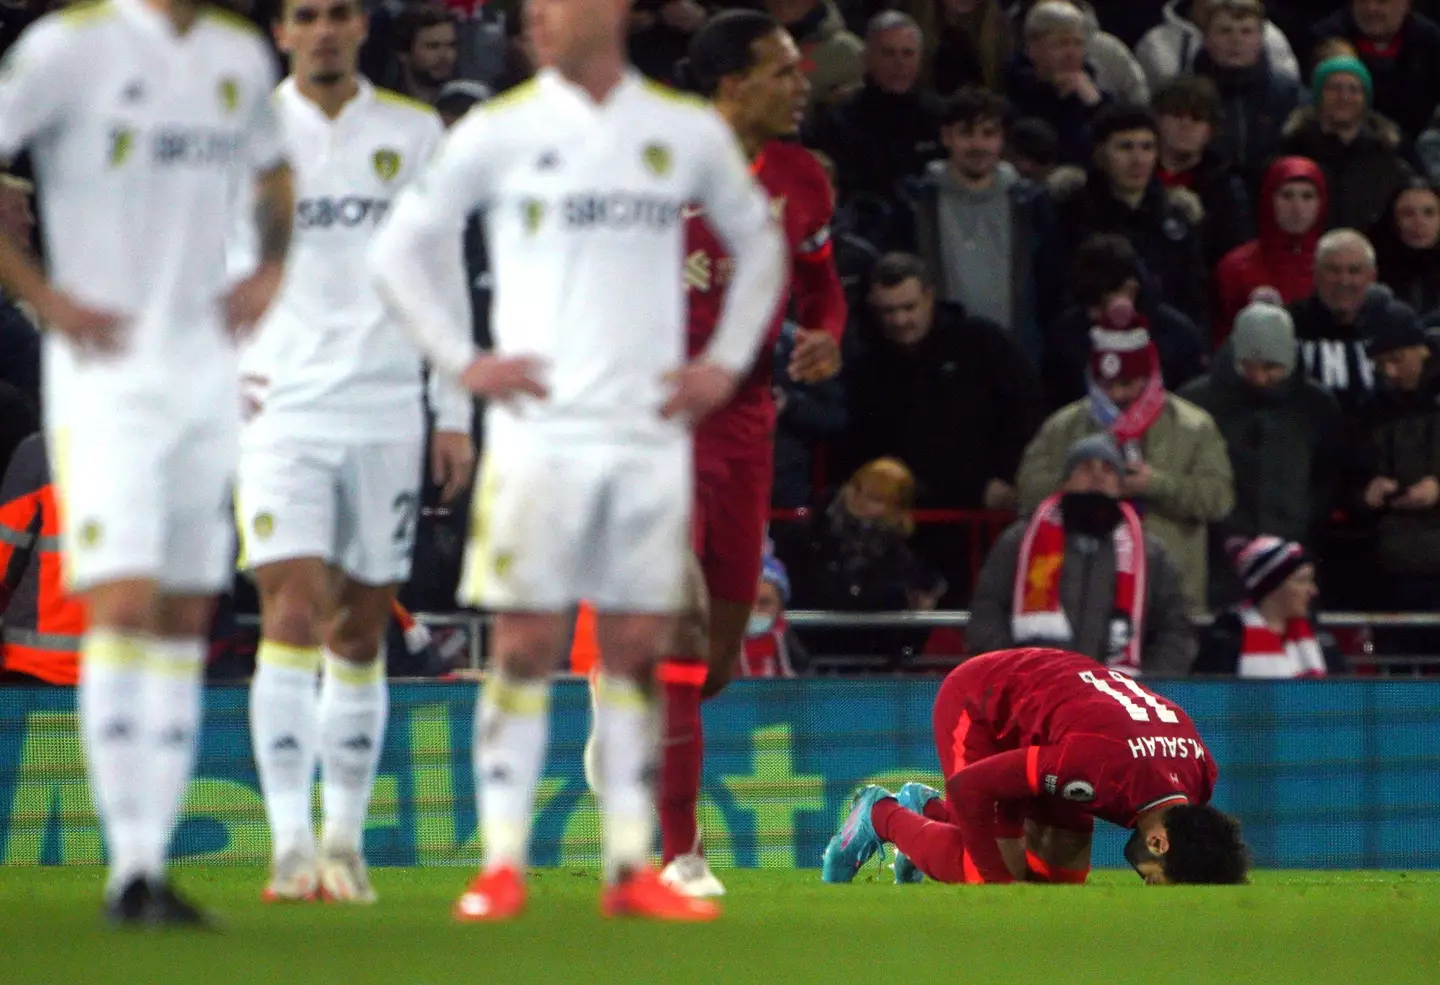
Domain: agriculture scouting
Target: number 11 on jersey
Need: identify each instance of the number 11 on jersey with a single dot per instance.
(1139, 714)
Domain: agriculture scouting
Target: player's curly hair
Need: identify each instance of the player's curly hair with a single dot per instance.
(724, 46)
(1205, 847)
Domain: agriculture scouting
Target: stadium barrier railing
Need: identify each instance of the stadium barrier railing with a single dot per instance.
(1324, 774)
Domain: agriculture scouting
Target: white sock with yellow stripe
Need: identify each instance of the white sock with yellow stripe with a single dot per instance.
(174, 679)
(625, 736)
(512, 730)
(112, 670)
(284, 731)
(354, 703)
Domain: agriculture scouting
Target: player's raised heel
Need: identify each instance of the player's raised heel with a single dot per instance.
(642, 894)
(295, 878)
(495, 894)
(691, 875)
(856, 842)
(344, 878)
(913, 797)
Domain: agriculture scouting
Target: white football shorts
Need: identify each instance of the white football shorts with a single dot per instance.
(352, 504)
(555, 523)
(144, 483)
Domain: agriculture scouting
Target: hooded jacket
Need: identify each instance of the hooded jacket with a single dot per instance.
(1412, 274)
(1362, 174)
(1276, 259)
(1035, 257)
(1173, 46)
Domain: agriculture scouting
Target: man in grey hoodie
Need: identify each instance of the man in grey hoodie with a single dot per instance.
(973, 207)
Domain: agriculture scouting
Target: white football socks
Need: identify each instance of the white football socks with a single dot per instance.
(174, 680)
(626, 738)
(284, 730)
(354, 704)
(512, 730)
(112, 671)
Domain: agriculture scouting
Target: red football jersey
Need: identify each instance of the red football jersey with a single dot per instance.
(1082, 733)
(800, 197)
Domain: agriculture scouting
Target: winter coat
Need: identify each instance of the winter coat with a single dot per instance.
(1029, 95)
(957, 407)
(1164, 229)
(1087, 595)
(878, 139)
(860, 565)
(1191, 484)
(1255, 103)
(1173, 46)
(832, 57)
(1412, 275)
(1406, 86)
(1036, 258)
(1362, 175)
(808, 414)
(1183, 353)
(19, 350)
(1116, 70)
(1276, 259)
(1283, 445)
(1333, 355)
(1229, 220)
(1404, 432)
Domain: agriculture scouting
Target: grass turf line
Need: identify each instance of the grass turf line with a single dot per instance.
(779, 926)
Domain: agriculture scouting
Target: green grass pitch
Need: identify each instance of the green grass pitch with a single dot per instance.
(1357, 928)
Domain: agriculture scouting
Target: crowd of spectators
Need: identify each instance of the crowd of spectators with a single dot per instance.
(1154, 278)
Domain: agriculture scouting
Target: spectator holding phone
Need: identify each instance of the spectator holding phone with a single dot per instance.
(1403, 423)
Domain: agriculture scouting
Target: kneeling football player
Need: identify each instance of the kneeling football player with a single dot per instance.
(1035, 744)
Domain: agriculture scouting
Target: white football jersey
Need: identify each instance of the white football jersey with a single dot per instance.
(584, 211)
(139, 136)
(333, 361)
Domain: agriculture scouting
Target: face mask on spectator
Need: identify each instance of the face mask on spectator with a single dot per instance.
(759, 624)
(1093, 514)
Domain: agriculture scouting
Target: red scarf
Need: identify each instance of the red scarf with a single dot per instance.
(1037, 614)
(766, 655)
(1265, 653)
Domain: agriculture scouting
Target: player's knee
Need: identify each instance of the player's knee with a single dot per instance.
(527, 647)
(293, 609)
(631, 646)
(126, 607)
(184, 617)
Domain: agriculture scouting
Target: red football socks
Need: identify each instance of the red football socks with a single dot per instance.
(681, 756)
(935, 847)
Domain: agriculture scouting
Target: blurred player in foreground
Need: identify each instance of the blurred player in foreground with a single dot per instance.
(143, 117)
(748, 65)
(586, 486)
(330, 465)
(1035, 744)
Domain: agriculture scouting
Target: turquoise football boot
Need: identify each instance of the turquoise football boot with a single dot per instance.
(856, 842)
(913, 797)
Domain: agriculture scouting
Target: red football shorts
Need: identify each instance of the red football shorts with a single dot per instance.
(732, 506)
(963, 736)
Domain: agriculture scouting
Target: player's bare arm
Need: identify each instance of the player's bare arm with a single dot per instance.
(452, 462)
(274, 210)
(88, 328)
